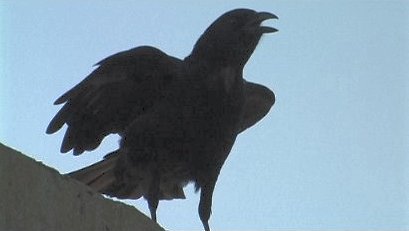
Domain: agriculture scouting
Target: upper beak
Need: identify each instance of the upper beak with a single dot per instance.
(262, 16)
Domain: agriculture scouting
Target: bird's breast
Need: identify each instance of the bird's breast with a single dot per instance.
(229, 78)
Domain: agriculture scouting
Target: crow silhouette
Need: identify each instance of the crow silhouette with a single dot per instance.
(178, 119)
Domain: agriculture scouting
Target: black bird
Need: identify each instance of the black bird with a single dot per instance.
(178, 119)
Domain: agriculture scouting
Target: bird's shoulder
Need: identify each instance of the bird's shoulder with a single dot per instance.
(144, 65)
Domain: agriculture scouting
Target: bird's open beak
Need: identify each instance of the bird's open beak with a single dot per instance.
(262, 16)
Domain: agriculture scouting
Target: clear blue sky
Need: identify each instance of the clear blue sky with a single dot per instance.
(333, 152)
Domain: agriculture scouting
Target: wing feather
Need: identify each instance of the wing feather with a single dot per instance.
(258, 101)
(121, 88)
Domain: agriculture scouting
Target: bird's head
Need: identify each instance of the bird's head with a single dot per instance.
(232, 38)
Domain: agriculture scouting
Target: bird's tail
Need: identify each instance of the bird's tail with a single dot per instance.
(98, 176)
(101, 177)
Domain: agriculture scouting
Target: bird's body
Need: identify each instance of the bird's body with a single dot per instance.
(179, 120)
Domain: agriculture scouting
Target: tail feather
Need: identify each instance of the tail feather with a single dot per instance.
(101, 177)
(98, 176)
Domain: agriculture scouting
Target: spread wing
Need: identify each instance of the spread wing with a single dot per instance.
(124, 86)
(258, 100)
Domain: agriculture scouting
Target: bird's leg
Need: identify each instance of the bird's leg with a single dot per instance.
(153, 195)
(205, 204)
(153, 205)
